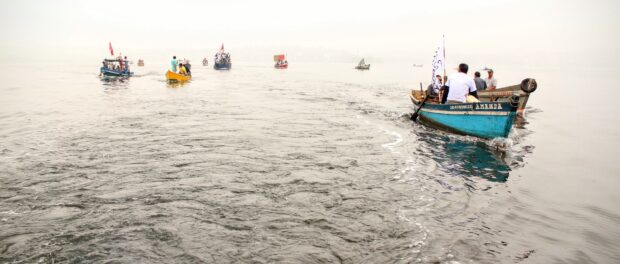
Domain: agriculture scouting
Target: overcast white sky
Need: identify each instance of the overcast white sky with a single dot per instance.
(551, 31)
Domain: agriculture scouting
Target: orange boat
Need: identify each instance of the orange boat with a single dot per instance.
(175, 77)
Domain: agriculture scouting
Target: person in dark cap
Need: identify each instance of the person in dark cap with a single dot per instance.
(481, 85)
(491, 81)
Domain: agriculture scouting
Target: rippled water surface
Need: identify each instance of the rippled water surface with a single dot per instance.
(314, 164)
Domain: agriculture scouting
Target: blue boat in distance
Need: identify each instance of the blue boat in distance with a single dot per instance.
(115, 68)
(222, 60)
(222, 66)
(481, 119)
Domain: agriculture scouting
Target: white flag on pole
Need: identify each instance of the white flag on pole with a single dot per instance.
(438, 64)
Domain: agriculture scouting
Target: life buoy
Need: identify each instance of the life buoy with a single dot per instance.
(529, 85)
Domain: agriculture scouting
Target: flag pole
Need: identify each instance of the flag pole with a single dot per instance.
(444, 59)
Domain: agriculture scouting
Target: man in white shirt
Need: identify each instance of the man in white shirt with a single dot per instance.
(491, 81)
(459, 86)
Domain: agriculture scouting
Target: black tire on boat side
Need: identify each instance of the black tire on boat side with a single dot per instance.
(529, 85)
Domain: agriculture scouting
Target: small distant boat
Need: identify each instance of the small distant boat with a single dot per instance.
(482, 119)
(522, 90)
(115, 68)
(418, 65)
(175, 77)
(205, 62)
(222, 60)
(281, 62)
(362, 65)
(140, 63)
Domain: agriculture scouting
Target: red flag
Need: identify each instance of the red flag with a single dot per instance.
(111, 50)
(222, 48)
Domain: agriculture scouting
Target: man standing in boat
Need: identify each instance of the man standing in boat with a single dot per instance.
(174, 63)
(491, 81)
(459, 86)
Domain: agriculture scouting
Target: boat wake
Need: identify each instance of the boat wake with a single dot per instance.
(398, 138)
(148, 73)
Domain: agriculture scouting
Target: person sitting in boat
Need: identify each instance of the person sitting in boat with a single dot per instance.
(433, 88)
(188, 67)
(182, 69)
(481, 85)
(459, 86)
(174, 63)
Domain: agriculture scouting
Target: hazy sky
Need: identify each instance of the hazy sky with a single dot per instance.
(525, 31)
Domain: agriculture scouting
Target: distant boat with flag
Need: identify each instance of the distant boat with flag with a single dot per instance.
(115, 67)
(362, 65)
(205, 62)
(140, 63)
(222, 60)
(281, 62)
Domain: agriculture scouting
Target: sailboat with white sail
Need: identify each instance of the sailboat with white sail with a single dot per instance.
(362, 65)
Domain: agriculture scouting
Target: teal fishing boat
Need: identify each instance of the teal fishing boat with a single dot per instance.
(481, 119)
(115, 68)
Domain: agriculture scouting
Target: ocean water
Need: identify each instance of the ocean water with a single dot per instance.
(318, 163)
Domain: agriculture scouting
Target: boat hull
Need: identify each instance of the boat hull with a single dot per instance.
(281, 66)
(222, 66)
(175, 77)
(483, 119)
(112, 73)
(363, 67)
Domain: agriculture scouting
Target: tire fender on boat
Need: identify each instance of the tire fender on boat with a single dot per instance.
(529, 85)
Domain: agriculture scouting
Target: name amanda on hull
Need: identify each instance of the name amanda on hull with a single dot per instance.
(478, 106)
